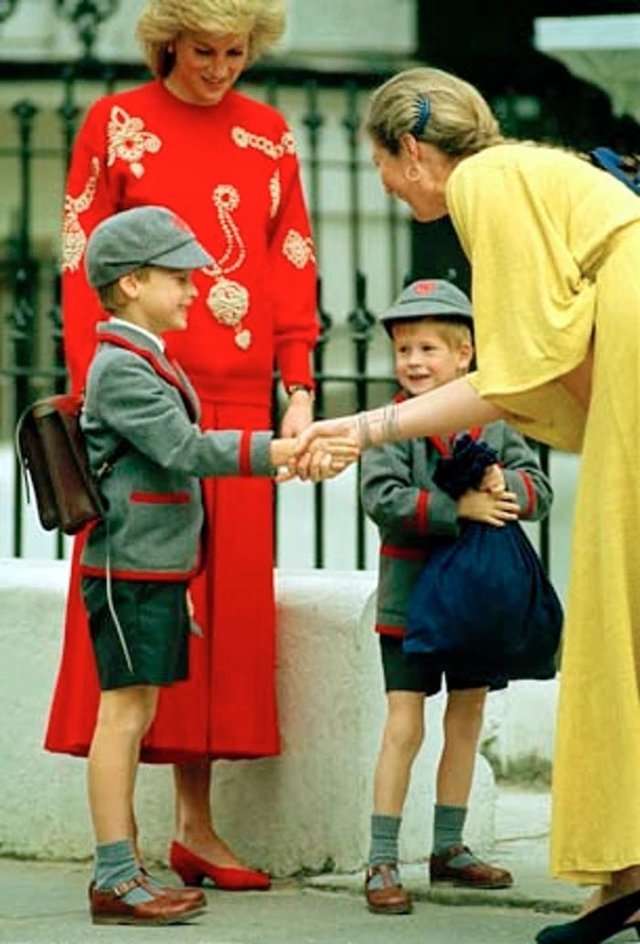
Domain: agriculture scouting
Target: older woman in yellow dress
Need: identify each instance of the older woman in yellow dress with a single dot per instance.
(554, 246)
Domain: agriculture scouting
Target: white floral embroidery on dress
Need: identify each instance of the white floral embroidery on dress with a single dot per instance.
(228, 300)
(275, 191)
(273, 149)
(298, 249)
(74, 238)
(128, 140)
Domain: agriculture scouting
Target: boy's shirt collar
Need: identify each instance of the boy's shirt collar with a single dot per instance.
(158, 342)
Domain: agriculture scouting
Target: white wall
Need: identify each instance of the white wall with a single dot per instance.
(296, 521)
(305, 809)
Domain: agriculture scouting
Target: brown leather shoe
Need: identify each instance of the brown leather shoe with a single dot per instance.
(477, 874)
(391, 898)
(107, 906)
(194, 895)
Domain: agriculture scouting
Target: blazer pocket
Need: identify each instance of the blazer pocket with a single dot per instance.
(160, 498)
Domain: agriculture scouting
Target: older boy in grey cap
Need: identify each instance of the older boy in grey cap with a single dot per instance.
(430, 329)
(137, 560)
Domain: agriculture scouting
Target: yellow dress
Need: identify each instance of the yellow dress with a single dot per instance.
(554, 245)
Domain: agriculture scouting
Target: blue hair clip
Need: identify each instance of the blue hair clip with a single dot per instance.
(422, 118)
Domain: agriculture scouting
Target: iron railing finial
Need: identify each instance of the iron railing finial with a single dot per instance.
(86, 16)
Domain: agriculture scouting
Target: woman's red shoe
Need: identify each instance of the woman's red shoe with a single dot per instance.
(193, 870)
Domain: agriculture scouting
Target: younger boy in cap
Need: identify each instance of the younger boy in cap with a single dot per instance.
(138, 559)
(430, 329)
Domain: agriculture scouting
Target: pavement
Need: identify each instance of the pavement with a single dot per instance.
(45, 903)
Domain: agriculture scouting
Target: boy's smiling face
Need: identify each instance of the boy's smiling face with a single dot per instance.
(160, 301)
(425, 358)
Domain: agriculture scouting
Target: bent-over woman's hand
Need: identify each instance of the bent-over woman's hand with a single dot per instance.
(344, 427)
(326, 457)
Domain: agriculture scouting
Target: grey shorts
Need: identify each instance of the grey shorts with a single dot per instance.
(409, 672)
(155, 624)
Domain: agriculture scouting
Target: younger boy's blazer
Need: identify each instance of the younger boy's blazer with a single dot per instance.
(154, 514)
(398, 493)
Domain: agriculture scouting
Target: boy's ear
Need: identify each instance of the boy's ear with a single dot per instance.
(465, 356)
(129, 285)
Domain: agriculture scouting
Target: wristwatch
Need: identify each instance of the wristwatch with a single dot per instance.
(295, 387)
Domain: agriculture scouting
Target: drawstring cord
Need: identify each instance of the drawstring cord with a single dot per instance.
(21, 458)
(112, 609)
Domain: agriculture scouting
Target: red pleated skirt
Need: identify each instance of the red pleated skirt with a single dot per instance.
(227, 707)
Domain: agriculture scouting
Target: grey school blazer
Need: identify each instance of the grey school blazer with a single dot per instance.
(399, 495)
(154, 507)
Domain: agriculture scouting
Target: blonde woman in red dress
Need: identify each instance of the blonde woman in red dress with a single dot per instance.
(227, 164)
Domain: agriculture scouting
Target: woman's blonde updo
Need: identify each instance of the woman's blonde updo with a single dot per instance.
(162, 21)
(434, 107)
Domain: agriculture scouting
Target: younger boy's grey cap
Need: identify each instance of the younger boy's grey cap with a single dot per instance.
(428, 297)
(147, 235)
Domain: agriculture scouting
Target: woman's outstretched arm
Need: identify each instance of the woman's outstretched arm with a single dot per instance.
(449, 409)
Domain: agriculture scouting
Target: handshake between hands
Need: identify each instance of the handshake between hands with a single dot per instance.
(327, 447)
(315, 460)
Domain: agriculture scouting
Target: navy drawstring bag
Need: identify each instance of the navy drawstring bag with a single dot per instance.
(483, 600)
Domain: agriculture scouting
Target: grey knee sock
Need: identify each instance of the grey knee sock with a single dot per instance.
(384, 843)
(448, 824)
(115, 863)
(384, 839)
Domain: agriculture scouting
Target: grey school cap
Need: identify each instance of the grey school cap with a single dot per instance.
(147, 235)
(428, 298)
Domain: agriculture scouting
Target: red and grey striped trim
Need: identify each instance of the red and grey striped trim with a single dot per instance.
(532, 498)
(161, 576)
(169, 375)
(244, 461)
(384, 629)
(403, 553)
(160, 498)
(421, 516)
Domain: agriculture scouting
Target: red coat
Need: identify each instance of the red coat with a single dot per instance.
(231, 171)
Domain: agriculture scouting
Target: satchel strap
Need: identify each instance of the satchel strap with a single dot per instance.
(107, 465)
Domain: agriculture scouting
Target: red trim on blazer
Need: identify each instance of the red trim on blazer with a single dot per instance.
(444, 446)
(176, 576)
(385, 630)
(422, 511)
(184, 380)
(169, 375)
(245, 453)
(403, 553)
(532, 498)
(440, 444)
(160, 498)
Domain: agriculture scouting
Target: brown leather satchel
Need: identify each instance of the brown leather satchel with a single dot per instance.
(52, 451)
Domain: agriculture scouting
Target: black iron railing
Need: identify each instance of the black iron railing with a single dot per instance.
(362, 237)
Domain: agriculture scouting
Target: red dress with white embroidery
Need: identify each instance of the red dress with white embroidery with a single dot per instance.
(231, 172)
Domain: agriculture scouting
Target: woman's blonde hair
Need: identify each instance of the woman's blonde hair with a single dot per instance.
(162, 21)
(434, 107)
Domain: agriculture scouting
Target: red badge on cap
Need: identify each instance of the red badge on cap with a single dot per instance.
(424, 288)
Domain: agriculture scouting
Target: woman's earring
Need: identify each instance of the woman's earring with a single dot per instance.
(412, 173)
(171, 49)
